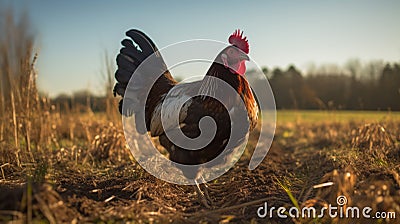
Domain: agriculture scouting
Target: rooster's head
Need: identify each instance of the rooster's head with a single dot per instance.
(235, 55)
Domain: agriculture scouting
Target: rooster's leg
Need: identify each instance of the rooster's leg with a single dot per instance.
(212, 188)
(206, 187)
(202, 197)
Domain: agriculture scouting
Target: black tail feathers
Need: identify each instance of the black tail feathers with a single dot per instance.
(133, 52)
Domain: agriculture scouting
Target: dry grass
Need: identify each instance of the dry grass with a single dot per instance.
(90, 175)
(373, 138)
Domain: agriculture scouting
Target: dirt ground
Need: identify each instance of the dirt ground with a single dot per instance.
(102, 183)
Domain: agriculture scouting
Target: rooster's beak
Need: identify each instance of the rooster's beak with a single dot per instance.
(244, 56)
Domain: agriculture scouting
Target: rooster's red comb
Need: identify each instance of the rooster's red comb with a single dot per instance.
(237, 39)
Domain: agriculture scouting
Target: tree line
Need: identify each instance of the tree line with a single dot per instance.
(373, 88)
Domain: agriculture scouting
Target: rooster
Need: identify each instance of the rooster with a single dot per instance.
(229, 67)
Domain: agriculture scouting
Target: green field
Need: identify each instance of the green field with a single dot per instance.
(284, 116)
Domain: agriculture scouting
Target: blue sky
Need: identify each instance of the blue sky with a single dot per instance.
(73, 35)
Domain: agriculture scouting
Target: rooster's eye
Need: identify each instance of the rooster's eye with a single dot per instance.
(232, 52)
